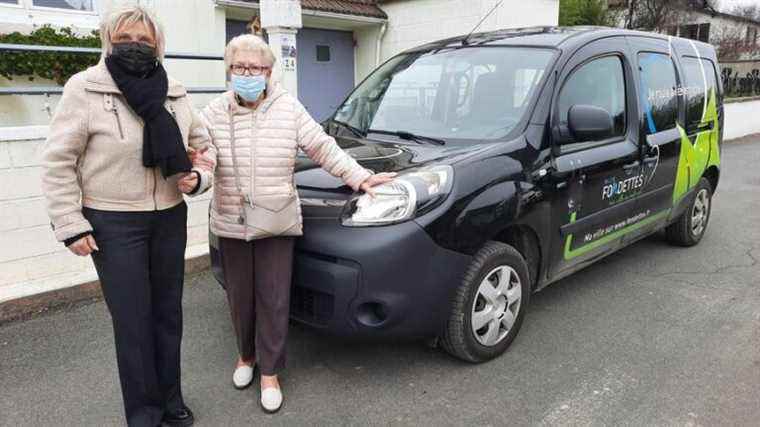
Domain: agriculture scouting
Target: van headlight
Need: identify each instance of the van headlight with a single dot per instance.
(400, 200)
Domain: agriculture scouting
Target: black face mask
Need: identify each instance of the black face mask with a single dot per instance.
(135, 58)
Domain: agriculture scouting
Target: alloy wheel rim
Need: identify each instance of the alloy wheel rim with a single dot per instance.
(699, 212)
(496, 305)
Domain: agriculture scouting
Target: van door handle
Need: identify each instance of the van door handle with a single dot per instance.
(632, 165)
(706, 127)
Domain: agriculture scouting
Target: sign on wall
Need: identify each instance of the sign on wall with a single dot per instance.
(288, 48)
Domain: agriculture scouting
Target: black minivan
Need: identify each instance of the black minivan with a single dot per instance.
(522, 157)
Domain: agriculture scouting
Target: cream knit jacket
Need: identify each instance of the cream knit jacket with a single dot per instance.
(93, 154)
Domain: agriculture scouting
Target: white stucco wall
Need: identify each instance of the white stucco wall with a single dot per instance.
(414, 22)
(741, 119)
(194, 26)
(366, 48)
(31, 261)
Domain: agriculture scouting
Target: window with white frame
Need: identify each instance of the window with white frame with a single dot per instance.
(62, 5)
(81, 14)
(81, 5)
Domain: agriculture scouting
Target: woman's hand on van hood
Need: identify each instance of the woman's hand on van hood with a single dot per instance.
(375, 180)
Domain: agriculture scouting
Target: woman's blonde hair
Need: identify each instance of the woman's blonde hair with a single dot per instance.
(251, 43)
(128, 15)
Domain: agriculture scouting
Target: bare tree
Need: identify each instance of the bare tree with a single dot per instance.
(657, 15)
(730, 43)
(749, 11)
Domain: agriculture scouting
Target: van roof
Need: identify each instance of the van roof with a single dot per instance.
(554, 37)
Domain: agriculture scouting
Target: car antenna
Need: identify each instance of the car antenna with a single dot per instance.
(466, 39)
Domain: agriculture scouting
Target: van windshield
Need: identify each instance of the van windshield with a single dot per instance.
(466, 93)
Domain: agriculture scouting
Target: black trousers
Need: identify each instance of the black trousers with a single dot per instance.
(141, 269)
(258, 276)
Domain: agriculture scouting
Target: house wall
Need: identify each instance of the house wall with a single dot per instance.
(720, 26)
(366, 49)
(414, 22)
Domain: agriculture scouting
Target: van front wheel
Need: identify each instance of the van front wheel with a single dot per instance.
(489, 304)
(692, 224)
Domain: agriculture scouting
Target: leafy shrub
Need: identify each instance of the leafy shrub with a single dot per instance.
(56, 66)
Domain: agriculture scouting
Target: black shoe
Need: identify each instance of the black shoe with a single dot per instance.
(182, 418)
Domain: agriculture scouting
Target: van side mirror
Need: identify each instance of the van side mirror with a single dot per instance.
(589, 123)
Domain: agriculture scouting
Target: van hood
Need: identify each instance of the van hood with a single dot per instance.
(380, 156)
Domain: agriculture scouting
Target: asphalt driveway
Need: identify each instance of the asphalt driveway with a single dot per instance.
(653, 335)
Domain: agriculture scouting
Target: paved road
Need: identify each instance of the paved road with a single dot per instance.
(653, 335)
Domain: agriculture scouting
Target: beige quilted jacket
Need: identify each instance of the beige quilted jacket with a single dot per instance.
(267, 140)
(93, 154)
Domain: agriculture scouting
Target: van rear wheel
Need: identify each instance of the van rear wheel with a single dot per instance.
(692, 224)
(489, 305)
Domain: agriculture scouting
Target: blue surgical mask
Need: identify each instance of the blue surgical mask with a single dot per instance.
(248, 87)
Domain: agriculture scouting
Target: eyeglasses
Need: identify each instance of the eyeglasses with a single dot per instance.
(253, 70)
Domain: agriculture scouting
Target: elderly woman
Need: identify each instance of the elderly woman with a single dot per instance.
(256, 130)
(115, 166)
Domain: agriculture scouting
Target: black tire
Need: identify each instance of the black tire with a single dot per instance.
(684, 232)
(459, 339)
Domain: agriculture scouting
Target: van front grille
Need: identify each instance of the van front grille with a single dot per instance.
(311, 306)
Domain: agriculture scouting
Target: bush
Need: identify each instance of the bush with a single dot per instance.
(586, 12)
(49, 65)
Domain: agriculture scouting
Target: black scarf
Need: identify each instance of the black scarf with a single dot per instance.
(162, 139)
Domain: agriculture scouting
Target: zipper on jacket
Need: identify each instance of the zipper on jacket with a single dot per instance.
(253, 154)
(118, 121)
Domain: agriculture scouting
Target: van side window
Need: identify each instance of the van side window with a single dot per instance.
(659, 92)
(600, 83)
(700, 80)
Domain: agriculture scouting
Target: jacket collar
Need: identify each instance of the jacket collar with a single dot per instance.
(100, 80)
(274, 92)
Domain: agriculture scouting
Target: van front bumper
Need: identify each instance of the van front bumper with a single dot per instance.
(371, 282)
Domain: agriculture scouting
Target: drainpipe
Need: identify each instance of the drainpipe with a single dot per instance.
(378, 48)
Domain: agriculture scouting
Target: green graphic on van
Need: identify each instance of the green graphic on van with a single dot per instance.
(696, 157)
(610, 233)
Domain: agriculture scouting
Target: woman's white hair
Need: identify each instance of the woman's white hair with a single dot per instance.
(251, 43)
(127, 15)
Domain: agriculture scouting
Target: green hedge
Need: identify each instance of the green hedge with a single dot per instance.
(49, 65)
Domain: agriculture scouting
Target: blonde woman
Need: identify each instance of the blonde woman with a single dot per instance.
(115, 168)
(256, 130)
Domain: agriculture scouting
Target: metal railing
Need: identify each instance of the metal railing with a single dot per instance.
(741, 78)
(57, 90)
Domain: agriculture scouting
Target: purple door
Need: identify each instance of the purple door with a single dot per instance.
(325, 61)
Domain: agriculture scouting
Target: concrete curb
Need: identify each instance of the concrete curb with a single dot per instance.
(742, 139)
(85, 293)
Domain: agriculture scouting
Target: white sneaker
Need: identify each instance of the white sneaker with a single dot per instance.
(271, 399)
(242, 377)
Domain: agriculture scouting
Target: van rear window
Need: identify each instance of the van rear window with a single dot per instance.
(659, 92)
(701, 83)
